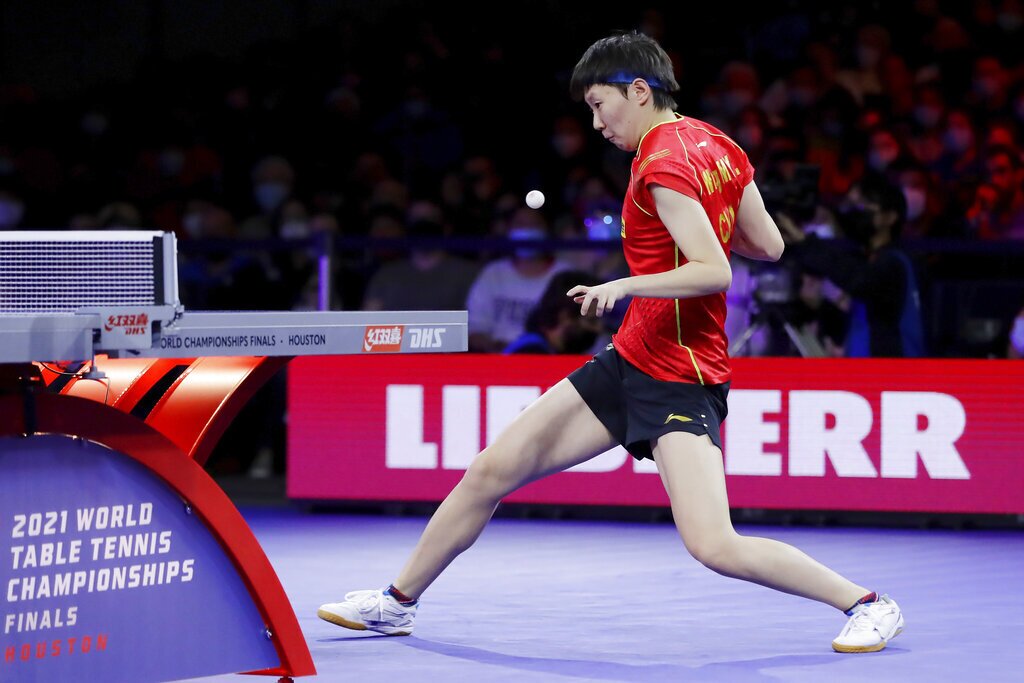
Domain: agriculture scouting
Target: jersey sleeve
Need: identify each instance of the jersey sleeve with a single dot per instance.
(746, 168)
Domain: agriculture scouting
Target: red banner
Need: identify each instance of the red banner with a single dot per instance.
(899, 435)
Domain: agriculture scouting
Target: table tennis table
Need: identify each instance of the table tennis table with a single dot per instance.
(112, 396)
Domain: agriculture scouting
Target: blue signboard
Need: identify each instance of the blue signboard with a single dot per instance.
(107, 575)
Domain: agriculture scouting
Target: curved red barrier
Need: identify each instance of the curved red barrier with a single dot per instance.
(201, 397)
(88, 419)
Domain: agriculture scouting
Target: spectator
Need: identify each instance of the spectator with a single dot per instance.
(429, 279)
(885, 316)
(998, 210)
(273, 181)
(818, 319)
(555, 325)
(926, 210)
(507, 289)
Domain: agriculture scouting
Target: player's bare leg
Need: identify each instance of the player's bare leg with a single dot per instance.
(554, 433)
(692, 470)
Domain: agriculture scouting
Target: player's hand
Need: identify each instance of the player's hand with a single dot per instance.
(598, 299)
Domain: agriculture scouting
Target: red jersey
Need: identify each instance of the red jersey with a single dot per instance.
(679, 340)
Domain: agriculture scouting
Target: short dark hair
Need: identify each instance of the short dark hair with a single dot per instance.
(877, 190)
(548, 309)
(633, 54)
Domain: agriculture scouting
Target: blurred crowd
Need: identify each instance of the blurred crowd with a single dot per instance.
(441, 139)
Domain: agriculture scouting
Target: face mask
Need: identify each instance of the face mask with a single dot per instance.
(735, 100)
(269, 196)
(880, 160)
(11, 213)
(526, 233)
(958, 140)
(416, 108)
(567, 145)
(171, 161)
(868, 56)
(802, 97)
(193, 224)
(94, 124)
(916, 200)
(1017, 335)
(833, 128)
(928, 116)
(1009, 22)
(986, 86)
(295, 230)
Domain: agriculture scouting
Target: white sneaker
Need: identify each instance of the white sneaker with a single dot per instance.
(370, 611)
(870, 627)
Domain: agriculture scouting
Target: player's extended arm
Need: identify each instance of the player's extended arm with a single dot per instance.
(756, 235)
(706, 270)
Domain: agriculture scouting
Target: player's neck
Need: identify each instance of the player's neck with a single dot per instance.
(656, 118)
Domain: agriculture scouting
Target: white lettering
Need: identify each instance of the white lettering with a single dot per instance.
(460, 439)
(404, 445)
(903, 442)
(503, 406)
(746, 433)
(810, 439)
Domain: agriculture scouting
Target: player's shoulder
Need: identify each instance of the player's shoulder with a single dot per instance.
(695, 130)
(661, 142)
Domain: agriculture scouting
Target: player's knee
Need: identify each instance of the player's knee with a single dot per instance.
(488, 476)
(718, 552)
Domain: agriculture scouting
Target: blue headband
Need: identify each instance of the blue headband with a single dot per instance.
(623, 78)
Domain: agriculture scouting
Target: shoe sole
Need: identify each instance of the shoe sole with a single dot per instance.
(853, 649)
(355, 626)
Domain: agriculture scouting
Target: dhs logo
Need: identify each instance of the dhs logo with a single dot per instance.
(130, 324)
(425, 337)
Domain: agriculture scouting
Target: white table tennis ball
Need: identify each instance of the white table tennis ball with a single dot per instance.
(535, 199)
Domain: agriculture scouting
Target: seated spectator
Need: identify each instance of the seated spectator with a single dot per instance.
(507, 289)
(555, 324)
(926, 205)
(429, 279)
(998, 209)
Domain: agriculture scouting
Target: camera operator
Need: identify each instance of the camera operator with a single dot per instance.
(774, 308)
(885, 318)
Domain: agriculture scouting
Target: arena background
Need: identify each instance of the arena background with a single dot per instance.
(163, 115)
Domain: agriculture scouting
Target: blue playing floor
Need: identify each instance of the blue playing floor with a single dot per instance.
(615, 601)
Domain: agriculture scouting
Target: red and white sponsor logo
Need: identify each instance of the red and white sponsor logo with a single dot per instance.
(382, 338)
(824, 434)
(128, 324)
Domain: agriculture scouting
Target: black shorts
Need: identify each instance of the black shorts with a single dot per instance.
(637, 409)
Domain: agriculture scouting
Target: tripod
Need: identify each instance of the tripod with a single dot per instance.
(768, 317)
